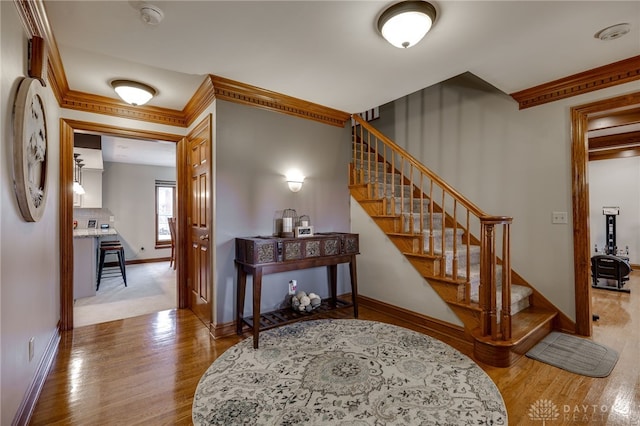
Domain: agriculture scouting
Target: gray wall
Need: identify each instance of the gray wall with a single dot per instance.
(128, 191)
(507, 161)
(29, 251)
(253, 150)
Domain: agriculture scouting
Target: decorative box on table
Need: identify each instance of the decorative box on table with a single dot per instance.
(259, 250)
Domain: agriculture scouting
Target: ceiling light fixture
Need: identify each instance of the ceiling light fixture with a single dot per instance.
(132, 92)
(613, 32)
(404, 24)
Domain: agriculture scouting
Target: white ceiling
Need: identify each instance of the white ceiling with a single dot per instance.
(329, 52)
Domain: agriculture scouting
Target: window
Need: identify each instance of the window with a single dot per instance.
(165, 208)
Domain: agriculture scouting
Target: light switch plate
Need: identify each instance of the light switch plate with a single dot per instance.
(559, 217)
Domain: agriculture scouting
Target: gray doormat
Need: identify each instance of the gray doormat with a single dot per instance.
(575, 354)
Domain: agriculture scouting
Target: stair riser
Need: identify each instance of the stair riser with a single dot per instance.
(365, 166)
(437, 240)
(396, 205)
(462, 260)
(426, 219)
(387, 178)
(386, 191)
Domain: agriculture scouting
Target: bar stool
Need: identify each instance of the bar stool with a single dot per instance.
(111, 247)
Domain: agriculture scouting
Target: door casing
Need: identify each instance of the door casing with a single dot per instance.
(67, 129)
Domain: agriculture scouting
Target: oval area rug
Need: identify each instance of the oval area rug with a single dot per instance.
(346, 372)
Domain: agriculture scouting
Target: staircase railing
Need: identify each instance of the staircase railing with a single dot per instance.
(392, 174)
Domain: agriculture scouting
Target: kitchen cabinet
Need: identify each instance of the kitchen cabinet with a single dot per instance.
(92, 184)
(84, 266)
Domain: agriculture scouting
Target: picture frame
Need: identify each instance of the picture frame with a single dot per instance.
(303, 231)
(92, 224)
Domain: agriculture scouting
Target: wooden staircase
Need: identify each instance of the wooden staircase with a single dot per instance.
(437, 230)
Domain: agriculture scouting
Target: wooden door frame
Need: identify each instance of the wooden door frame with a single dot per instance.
(67, 129)
(580, 195)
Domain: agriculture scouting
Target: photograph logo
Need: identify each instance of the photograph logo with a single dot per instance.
(543, 410)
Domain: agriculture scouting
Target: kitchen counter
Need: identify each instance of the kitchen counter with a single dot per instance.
(90, 233)
(85, 257)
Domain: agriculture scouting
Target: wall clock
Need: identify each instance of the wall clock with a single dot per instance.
(30, 149)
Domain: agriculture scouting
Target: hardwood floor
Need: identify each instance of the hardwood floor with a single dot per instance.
(144, 370)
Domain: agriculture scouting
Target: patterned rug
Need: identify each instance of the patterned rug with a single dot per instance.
(346, 372)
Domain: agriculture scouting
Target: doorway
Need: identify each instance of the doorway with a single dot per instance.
(67, 130)
(582, 118)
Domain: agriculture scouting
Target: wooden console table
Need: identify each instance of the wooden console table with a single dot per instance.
(260, 256)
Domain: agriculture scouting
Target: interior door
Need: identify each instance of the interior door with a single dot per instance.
(199, 221)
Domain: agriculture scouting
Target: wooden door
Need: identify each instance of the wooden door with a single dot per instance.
(199, 221)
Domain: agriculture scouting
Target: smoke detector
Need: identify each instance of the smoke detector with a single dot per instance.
(151, 14)
(613, 32)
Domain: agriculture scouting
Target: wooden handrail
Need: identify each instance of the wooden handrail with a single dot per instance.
(404, 154)
(401, 171)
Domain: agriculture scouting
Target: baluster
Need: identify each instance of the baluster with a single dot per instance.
(443, 266)
(505, 320)
(431, 237)
(467, 287)
(454, 261)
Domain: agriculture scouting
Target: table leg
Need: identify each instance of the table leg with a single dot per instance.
(240, 295)
(257, 292)
(354, 285)
(333, 283)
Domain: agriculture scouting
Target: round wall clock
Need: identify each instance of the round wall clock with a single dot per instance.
(30, 149)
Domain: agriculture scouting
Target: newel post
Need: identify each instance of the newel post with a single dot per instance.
(487, 290)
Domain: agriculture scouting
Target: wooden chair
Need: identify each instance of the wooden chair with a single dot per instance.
(172, 231)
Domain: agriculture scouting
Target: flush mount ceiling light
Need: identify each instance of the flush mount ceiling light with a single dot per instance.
(613, 32)
(404, 24)
(132, 92)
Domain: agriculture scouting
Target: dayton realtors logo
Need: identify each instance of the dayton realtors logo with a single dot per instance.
(546, 411)
(543, 410)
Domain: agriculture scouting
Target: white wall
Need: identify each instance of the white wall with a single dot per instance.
(29, 253)
(616, 183)
(253, 150)
(128, 191)
(507, 161)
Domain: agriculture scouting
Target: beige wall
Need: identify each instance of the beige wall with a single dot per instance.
(29, 254)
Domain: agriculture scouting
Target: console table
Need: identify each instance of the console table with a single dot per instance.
(258, 256)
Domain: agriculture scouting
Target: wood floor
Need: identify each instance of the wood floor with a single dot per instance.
(144, 370)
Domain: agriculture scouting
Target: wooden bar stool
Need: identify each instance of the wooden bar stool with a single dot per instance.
(112, 247)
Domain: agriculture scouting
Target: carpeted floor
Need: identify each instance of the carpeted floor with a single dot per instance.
(151, 287)
(346, 372)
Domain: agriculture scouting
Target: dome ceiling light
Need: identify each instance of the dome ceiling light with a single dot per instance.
(133, 92)
(404, 24)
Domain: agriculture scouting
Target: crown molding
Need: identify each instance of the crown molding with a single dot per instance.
(241, 93)
(602, 77)
(201, 99)
(97, 104)
(35, 21)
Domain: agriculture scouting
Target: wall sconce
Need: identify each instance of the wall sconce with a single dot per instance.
(295, 179)
(132, 92)
(405, 23)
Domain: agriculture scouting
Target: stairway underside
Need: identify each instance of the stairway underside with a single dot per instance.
(530, 323)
